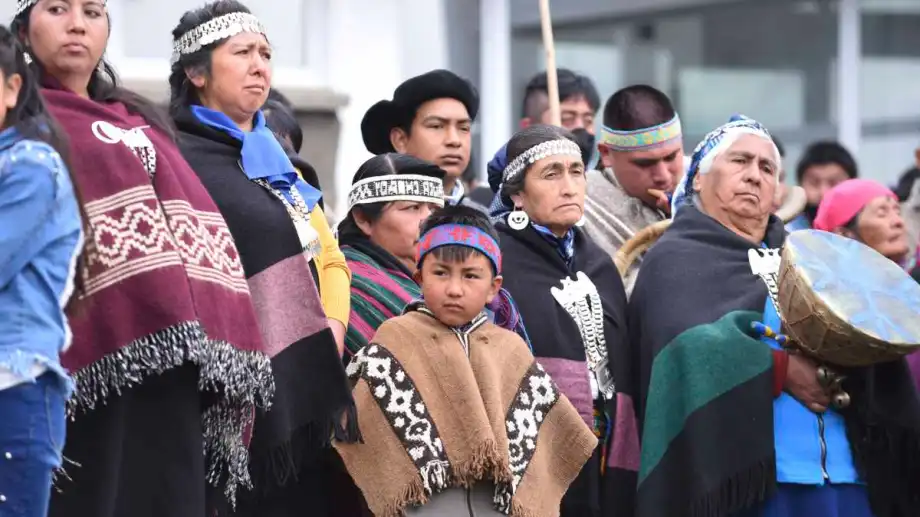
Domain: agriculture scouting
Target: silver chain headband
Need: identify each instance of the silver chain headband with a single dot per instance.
(215, 30)
(23, 5)
(538, 152)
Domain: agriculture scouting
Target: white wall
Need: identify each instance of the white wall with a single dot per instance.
(374, 45)
(361, 48)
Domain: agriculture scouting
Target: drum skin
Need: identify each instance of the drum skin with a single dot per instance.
(844, 303)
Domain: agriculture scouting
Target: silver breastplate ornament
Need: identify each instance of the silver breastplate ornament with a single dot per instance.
(765, 263)
(579, 297)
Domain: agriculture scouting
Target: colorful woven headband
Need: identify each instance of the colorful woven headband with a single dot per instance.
(641, 139)
(460, 235)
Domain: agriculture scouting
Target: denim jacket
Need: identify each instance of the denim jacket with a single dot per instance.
(40, 238)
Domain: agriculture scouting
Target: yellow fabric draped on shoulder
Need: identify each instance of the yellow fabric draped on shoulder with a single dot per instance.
(334, 275)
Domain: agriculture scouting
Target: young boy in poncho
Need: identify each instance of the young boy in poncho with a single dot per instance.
(455, 413)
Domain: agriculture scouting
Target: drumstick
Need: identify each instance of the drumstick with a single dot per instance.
(552, 79)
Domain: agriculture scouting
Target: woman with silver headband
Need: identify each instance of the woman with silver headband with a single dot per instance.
(166, 356)
(573, 302)
(220, 79)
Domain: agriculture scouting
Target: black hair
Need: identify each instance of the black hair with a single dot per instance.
(282, 122)
(637, 107)
(31, 119)
(275, 95)
(104, 85)
(585, 141)
(380, 165)
(30, 116)
(571, 85)
(779, 146)
(906, 182)
(182, 92)
(464, 215)
(524, 140)
(824, 153)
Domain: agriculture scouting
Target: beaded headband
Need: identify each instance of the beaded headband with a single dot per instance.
(397, 187)
(460, 235)
(215, 30)
(538, 152)
(22, 5)
(641, 139)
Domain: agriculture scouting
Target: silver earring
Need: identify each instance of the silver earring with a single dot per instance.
(518, 219)
(27, 58)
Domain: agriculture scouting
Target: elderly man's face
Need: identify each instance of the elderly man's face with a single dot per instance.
(740, 187)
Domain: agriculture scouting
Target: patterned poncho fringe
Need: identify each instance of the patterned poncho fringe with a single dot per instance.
(312, 398)
(433, 418)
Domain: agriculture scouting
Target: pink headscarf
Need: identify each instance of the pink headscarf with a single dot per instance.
(841, 203)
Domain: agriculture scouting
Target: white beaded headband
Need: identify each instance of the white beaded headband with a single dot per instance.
(22, 5)
(215, 30)
(397, 187)
(538, 152)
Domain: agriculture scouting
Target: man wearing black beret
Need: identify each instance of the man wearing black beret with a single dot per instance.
(430, 118)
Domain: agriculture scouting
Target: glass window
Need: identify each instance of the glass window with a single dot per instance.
(889, 93)
(713, 61)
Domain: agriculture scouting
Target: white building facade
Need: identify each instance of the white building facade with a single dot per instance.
(808, 69)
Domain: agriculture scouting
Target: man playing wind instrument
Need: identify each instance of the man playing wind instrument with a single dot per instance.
(642, 153)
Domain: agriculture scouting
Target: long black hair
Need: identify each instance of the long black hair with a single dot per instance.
(104, 85)
(182, 92)
(31, 119)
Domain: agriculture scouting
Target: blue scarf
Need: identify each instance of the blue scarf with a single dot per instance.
(262, 156)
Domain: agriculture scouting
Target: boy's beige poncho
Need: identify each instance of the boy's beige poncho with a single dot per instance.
(433, 418)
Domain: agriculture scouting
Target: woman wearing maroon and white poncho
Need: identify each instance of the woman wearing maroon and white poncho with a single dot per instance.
(167, 357)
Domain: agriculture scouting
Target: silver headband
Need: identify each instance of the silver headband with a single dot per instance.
(22, 5)
(397, 187)
(215, 30)
(538, 152)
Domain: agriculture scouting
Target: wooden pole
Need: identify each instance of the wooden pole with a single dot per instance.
(552, 80)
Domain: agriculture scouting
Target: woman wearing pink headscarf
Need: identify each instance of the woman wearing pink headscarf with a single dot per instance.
(869, 212)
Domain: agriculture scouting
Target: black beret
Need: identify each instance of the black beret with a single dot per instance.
(385, 115)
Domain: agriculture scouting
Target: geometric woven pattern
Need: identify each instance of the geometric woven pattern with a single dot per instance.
(408, 416)
(206, 245)
(536, 396)
(130, 236)
(641, 139)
